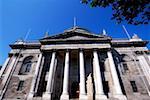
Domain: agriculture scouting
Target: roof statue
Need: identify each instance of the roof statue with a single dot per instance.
(19, 41)
(74, 22)
(135, 38)
(46, 34)
(104, 32)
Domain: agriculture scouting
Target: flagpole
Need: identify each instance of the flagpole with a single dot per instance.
(129, 37)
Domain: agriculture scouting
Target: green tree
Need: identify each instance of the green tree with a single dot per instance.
(133, 11)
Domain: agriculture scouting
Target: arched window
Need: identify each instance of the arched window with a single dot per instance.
(26, 65)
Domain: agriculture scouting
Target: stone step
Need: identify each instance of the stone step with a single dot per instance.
(37, 98)
(74, 99)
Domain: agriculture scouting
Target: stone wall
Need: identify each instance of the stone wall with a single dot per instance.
(12, 92)
(126, 56)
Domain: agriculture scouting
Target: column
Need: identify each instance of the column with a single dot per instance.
(145, 67)
(149, 57)
(34, 80)
(47, 95)
(82, 95)
(4, 66)
(7, 76)
(65, 94)
(117, 88)
(9, 70)
(98, 83)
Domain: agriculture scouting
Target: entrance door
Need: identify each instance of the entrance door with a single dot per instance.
(75, 90)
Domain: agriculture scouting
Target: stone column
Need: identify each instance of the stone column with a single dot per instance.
(98, 83)
(65, 94)
(4, 66)
(8, 74)
(14, 58)
(117, 88)
(34, 80)
(47, 95)
(149, 57)
(82, 95)
(145, 67)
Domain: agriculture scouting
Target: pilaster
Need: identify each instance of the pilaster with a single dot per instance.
(118, 92)
(34, 80)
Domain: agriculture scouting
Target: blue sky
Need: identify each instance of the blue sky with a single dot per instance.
(18, 16)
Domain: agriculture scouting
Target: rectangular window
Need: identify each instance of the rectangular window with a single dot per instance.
(44, 86)
(106, 87)
(20, 86)
(125, 67)
(134, 87)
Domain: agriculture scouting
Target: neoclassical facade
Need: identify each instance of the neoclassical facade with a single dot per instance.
(77, 65)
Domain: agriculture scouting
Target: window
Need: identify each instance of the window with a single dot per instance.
(134, 87)
(125, 66)
(26, 65)
(20, 86)
(106, 87)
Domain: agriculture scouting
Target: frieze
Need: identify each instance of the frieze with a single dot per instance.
(75, 46)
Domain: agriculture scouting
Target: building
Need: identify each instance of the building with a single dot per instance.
(77, 64)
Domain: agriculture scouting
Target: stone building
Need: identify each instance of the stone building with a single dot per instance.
(77, 64)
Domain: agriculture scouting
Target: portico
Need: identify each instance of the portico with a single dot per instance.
(82, 73)
(79, 56)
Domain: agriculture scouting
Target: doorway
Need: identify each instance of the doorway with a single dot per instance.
(75, 90)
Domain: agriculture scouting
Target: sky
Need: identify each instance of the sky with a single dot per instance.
(17, 17)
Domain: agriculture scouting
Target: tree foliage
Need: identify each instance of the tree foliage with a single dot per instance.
(133, 11)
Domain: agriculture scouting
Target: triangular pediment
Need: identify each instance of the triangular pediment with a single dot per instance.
(77, 37)
(75, 34)
(70, 35)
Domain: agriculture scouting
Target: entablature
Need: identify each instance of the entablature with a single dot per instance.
(75, 46)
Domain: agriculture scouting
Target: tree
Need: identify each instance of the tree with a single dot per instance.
(133, 11)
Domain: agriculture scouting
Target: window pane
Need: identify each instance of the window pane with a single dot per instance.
(28, 67)
(20, 86)
(125, 66)
(134, 87)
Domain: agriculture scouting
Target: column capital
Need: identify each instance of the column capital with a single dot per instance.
(81, 49)
(95, 49)
(54, 50)
(109, 50)
(67, 50)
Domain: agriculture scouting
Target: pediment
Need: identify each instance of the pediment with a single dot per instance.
(75, 34)
(76, 37)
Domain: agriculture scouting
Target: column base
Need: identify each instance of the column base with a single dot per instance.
(46, 96)
(100, 97)
(120, 97)
(30, 96)
(64, 97)
(83, 97)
